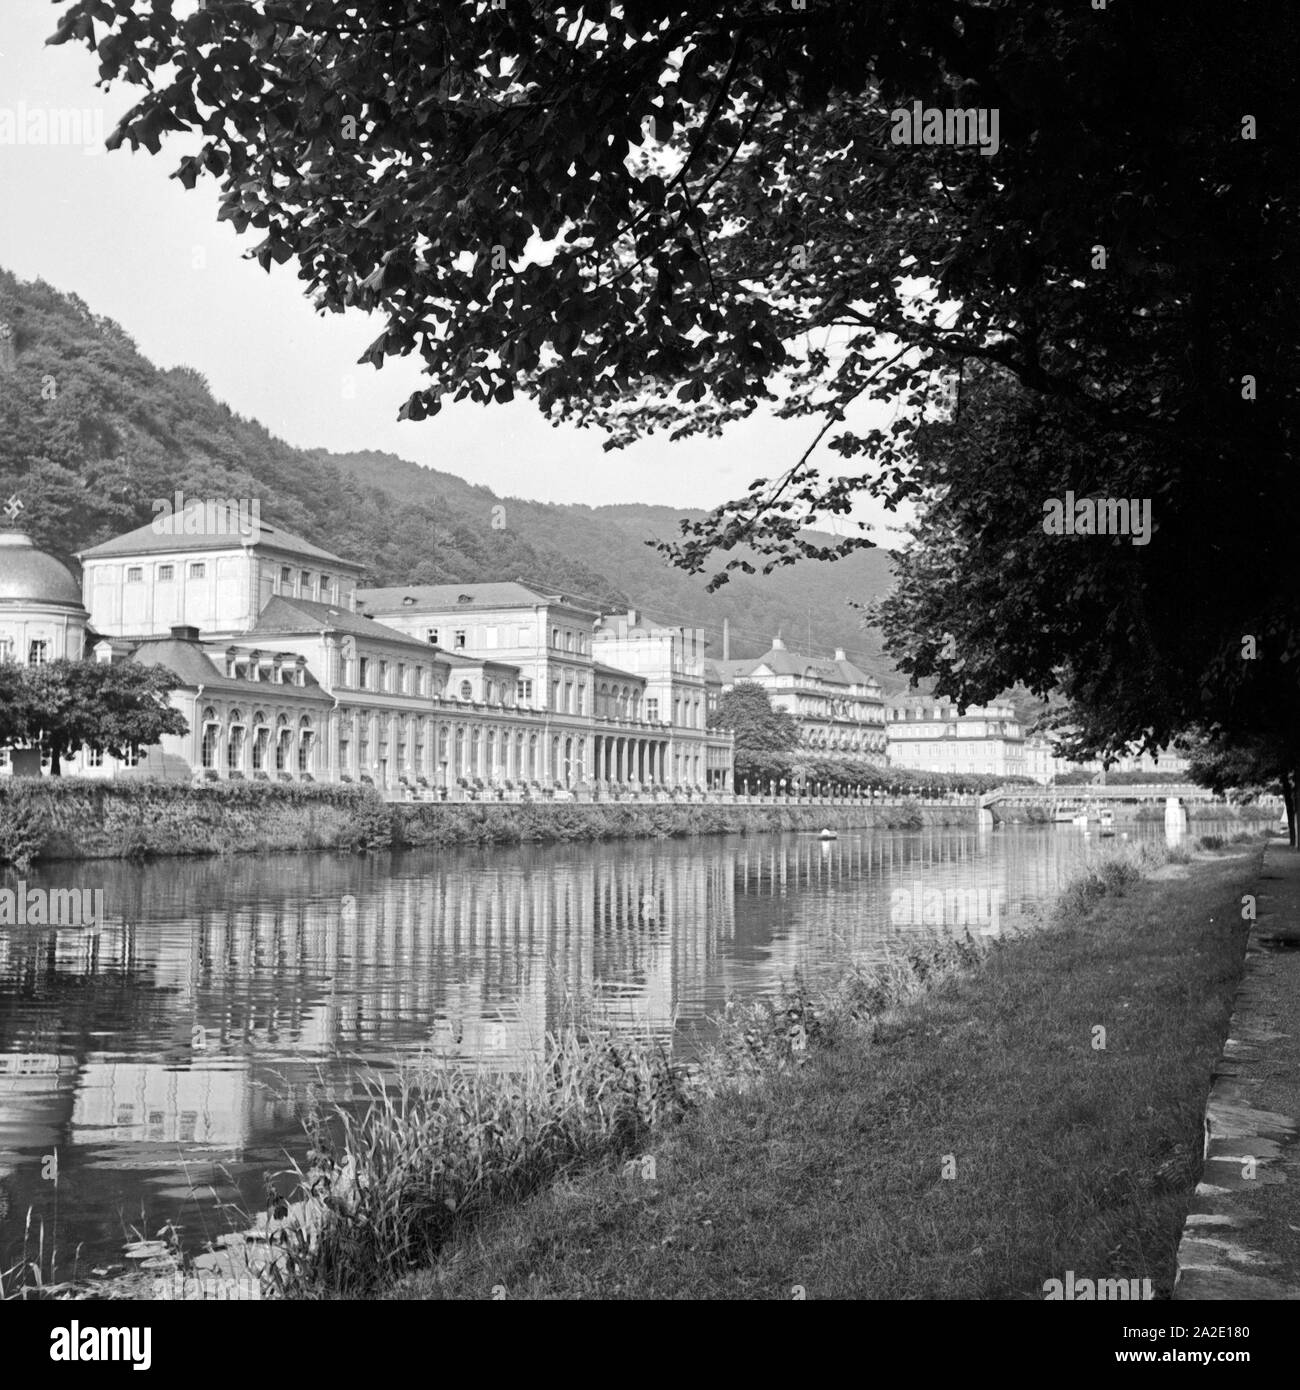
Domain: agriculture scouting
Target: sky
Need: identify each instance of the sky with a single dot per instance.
(137, 246)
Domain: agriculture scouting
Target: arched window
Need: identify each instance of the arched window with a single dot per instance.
(235, 742)
(306, 741)
(261, 740)
(211, 737)
(283, 740)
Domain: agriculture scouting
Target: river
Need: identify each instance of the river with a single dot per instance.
(162, 1058)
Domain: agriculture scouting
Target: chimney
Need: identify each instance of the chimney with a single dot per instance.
(631, 617)
(839, 654)
(778, 645)
(726, 639)
(184, 633)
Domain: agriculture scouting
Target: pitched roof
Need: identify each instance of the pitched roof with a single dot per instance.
(440, 598)
(195, 667)
(144, 540)
(783, 662)
(282, 614)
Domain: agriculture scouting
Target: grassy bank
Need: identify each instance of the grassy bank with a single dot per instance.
(942, 1132)
(79, 818)
(71, 818)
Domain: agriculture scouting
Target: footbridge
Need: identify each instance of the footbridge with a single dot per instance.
(1090, 798)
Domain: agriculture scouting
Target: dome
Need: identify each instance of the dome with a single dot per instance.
(28, 575)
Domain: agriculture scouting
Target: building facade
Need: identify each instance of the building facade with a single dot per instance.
(838, 706)
(288, 672)
(927, 733)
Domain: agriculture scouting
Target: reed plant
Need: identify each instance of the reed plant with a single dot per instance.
(435, 1146)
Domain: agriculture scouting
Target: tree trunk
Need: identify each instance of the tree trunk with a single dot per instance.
(1288, 799)
(55, 760)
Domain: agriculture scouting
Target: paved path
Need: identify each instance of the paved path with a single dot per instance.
(1242, 1238)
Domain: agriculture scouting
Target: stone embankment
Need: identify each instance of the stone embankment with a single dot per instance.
(1242, 1237)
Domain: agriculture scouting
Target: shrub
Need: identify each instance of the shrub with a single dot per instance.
(23, 830)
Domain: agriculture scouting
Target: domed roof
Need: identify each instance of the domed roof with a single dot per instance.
(28, 575)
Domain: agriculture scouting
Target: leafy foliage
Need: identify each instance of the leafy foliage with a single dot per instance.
(104, 707)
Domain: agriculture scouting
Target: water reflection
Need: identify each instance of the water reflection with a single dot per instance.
(174, 1046)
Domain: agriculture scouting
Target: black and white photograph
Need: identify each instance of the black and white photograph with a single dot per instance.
(649, 652)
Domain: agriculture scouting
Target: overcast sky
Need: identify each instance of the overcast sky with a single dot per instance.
(140, 248)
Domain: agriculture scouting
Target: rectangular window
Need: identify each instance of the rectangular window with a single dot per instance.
(524, 692)
(363, 672)
(134, 574)
(286, 579)
(525, 636)
(305, 581)
(458, 639)
(432, 635)
(198, 569)
(652, 710)
(166, 573)
(383, 675)
(490, 636)
(325, 583)
(38, 653)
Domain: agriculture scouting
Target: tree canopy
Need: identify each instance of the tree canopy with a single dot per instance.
(65, 706)
(659, 215)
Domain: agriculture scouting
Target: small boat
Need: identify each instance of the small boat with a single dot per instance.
(828, 835)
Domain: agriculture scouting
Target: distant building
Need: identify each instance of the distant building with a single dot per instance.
(838, 706)
(928, 734)
(1044, 765)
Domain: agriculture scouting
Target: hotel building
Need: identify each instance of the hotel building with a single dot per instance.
(289, 672)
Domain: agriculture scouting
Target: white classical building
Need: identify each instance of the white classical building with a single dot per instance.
(838, 706)
(42, 619)
(928, 733)
(287, 672)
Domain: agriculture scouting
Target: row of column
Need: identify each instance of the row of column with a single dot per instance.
(631, 759)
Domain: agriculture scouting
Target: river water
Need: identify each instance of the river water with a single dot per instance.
(164, 1056)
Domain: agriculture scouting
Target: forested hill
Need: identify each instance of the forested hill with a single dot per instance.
(91, 432)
